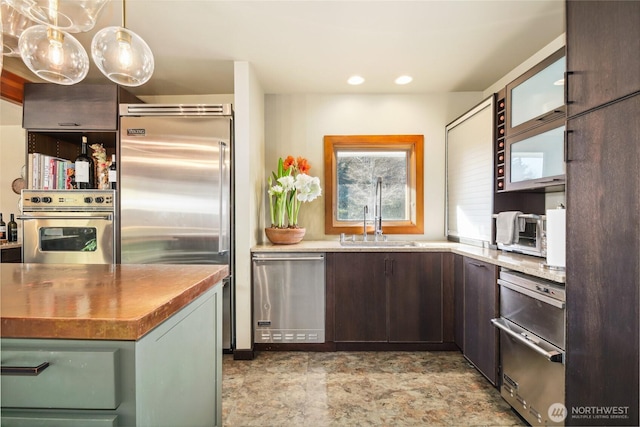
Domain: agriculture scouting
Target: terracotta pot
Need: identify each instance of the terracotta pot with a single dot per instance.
(284, 236)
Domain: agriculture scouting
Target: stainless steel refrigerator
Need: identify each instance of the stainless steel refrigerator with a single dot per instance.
(176, 189)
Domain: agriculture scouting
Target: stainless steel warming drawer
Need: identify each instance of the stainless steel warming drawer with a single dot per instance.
(289, 297)
(532, 345)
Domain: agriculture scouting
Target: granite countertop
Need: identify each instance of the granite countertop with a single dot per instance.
(522, 263)
(7, 245)
(105, 302)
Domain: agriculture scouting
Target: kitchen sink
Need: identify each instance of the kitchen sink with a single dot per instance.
(393, 243)
(377, 244)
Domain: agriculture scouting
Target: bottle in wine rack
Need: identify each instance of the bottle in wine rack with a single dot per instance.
(113, 172)
(12, 229)
(84, 170)
(3, 229)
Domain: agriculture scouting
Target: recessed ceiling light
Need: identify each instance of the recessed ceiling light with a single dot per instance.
(355, 80)
(559, 82)
(403, 80)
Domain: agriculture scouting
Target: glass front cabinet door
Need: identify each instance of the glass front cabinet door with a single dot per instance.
(537, 96)
(535, 158)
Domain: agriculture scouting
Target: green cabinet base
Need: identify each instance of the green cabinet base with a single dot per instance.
(172, 376)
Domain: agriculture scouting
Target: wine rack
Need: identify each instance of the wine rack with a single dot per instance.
(500, 123)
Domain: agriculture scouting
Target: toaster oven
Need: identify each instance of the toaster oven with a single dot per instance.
(529, 237)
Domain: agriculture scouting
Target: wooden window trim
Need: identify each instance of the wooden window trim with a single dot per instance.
(416, 179)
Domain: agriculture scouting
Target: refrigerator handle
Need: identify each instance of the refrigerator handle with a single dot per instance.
(224, 191)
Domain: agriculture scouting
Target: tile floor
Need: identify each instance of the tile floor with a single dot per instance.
(359, 389)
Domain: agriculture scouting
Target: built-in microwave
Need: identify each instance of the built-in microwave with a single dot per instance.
(535, 159)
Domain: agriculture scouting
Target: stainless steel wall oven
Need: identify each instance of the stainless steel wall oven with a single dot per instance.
(532, 347)
(68, 226)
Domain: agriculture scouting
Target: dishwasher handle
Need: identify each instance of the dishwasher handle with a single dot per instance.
(301, 258)
(523, 338)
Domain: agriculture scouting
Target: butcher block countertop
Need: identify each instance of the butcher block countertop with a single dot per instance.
(102, 302)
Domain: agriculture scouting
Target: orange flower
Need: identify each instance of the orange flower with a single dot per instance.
(303, 165)
(288, 162)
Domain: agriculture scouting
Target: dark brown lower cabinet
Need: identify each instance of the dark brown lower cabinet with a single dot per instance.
(458, 298)
(603, 269)
(360, 297)
(480, 306)
(387, 297)
(11, 255)
(414, 295)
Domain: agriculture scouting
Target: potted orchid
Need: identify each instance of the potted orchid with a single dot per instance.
(289, 187)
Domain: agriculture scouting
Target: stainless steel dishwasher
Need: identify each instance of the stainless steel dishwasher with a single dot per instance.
(288, 297)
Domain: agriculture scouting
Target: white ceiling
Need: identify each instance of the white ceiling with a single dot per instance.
(314, 46)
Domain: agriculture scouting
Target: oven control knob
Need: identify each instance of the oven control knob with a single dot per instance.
(46, 200)
(88, 199)
(35, 200)
(99, 199)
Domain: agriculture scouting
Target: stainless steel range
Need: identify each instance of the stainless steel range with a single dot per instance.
(68, 226)
(532, 347)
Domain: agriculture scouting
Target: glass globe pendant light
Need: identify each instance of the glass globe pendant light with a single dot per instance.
(122, 55)
(13, 24)
(72, 16)
(53, 55)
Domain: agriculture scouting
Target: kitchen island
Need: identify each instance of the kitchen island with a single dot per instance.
(135, 345)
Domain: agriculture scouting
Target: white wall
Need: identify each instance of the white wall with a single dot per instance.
(553, 46)
(12, 156)
(296, 124)
(249, 172)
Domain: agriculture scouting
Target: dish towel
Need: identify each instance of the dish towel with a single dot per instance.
(506, 230)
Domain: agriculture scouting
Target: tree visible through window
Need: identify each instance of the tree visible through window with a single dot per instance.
(353, 165)
(358, 172)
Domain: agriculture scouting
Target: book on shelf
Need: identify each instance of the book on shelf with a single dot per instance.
(49, 172)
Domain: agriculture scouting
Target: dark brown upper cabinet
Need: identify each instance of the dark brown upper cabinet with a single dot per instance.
(603, 63)
(537, 96)
(533, 144)
(80, 107)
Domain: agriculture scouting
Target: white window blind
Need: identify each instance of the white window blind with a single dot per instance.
(469, 182)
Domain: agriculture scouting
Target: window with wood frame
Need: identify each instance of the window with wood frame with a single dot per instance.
(352, 166)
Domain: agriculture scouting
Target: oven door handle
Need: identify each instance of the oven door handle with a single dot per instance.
(532, 294)
(523, 338)
(108, 217)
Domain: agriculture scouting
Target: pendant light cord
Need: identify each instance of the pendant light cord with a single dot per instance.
(55, 7)
(124, 22)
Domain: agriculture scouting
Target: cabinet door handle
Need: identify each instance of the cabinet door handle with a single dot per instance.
(566, 87)
(567, 159)
(547, 181)
(544, 116)
(475, 264)
(24, 370)
(68, 124)
(388, 267)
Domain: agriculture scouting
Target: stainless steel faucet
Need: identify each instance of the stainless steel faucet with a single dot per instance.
(378, 209)
(364, 224)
